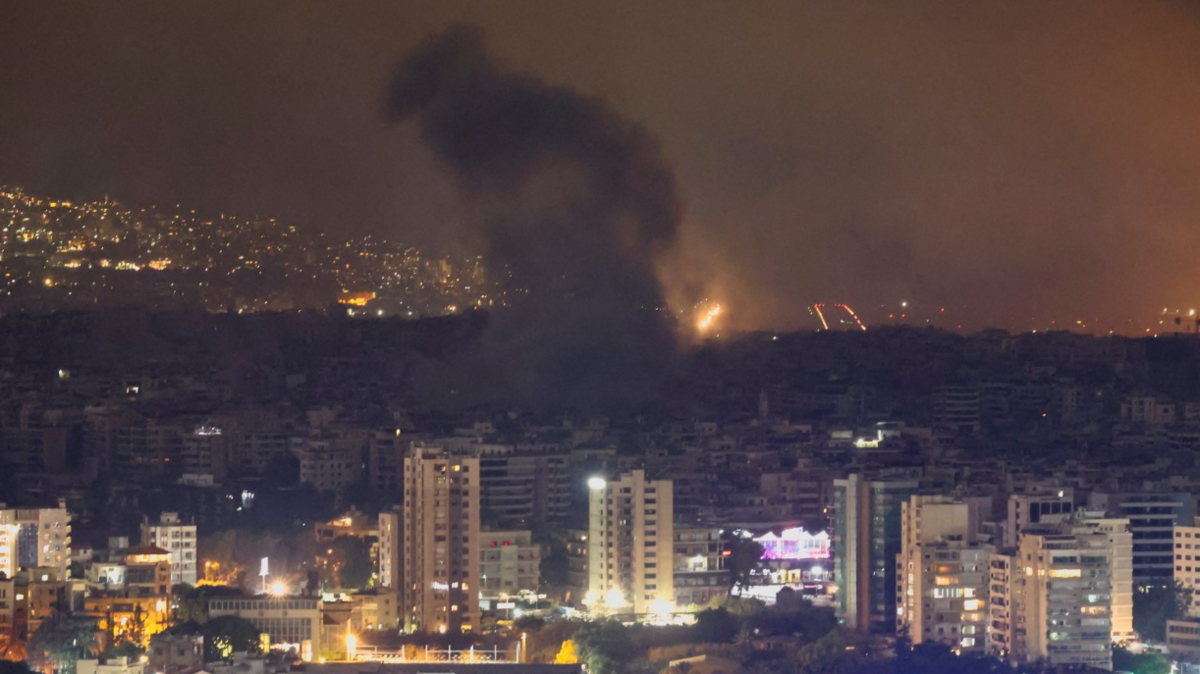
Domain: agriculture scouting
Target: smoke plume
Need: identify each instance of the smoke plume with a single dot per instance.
(575, 205)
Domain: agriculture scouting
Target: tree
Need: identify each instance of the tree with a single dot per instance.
(1157, 604)
(606, 647)
(555, 568)
(566, 654)
(61, 641)
(10, 667)
(744, 557)
(716, 626)
(229, 634)
(529, 623)
(838, 652)
(127, 649)
(1148, 662)
(191, 603)
(799, 619)
(352, 561)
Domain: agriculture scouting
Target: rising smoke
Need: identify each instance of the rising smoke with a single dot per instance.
(575, 203)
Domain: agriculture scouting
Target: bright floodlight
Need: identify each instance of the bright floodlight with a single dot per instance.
(279, 588)
(596, 483)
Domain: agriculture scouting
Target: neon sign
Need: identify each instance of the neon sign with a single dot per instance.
(795, 544)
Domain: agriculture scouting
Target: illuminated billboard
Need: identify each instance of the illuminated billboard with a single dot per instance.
(795, 544)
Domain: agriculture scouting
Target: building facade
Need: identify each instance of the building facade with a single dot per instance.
(440, 550)
(1062, 606)
(172, 535)
(866, 539)
(293, 621)
(630, 537)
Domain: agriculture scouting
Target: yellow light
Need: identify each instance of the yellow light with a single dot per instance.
(1065, 573)
(351, 646)
(279, 588)
(662, 607)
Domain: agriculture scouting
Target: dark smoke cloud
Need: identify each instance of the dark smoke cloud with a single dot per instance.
(574, 202)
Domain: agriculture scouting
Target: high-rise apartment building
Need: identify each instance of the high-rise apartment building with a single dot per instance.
(440, 553)
(867, 537)
(1152, 518)
(172, 535)
(942, 574)
(1062, 596)
(1120, 541)
(391, 533)
(630, 544)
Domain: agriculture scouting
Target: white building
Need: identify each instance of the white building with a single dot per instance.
(177, 538)
(391, 533)
(630, 537)
(942, 574)
(38, 537)
(287, 621)
(1062, 596)
(440, 550)
(510, 563)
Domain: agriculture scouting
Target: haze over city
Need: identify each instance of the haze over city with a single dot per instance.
(366, 337)
(1014, 164)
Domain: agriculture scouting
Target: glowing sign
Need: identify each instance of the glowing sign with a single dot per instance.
(795, 544)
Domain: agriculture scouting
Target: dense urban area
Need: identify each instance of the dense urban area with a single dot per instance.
(193, 491)
(59, 255)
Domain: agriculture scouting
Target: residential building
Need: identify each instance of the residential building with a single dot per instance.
(177, 538)
(147, 572)
(630, 536)
(700, 572)
(391, 533)
(441, 564)
(1003, 575)
(1152, 518)
(867, 536)
(43, 537)
(1028, 509)
(1187, 562)
(942, 574)
(1120, 540)
(177, 651)
(510, 563)
(1063, 597)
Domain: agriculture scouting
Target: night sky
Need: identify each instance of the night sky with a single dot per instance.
(1012, 162)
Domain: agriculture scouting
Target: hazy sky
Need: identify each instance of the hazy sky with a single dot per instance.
(1023, 160)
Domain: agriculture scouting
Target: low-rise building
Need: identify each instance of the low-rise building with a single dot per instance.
(287, 621)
